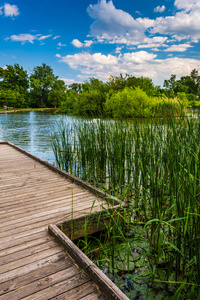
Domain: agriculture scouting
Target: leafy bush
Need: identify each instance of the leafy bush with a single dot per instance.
(128, 103)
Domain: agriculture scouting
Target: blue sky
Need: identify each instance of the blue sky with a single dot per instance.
(80, 39)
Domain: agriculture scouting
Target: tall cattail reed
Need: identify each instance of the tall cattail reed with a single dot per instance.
(154, 165)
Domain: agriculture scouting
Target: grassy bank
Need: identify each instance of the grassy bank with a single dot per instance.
(155, 166)
(11, 110)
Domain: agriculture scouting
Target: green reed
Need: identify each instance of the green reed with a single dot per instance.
(154, 166)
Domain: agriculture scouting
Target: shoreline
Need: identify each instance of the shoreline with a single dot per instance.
(26, 109)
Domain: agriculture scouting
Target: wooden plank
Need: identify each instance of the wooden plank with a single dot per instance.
(104, 283)
(93, 296)
(28, 260)
(26, 252)
(57, 263)
(44, 205)
(74, 284)
(36, 265)
(46, 282)
(73, 178)
(12, 241)
(80, 291)
(65, 210)
(24, 246)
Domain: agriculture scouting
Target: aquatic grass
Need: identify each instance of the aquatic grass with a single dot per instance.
(156, 168)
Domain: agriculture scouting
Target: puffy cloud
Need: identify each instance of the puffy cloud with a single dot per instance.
(155, 42)
(181, 24)
(184, 24)
(187, 5)
(23, 37)
(58, 55)
(159, 9)
(10, 10)
(139, 63)
(178, 48)
(88, 60)
(78, 44)
(88, 43)
(138, 57)
(114, 25)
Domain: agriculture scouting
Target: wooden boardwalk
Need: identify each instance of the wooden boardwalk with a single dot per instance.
(32, 264)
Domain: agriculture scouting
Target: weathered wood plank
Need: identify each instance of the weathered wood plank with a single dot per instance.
(43, 283)
(26, 269)
(9, 258)
(74, 284)
(57, 263)
(84, 262)
(28, 260)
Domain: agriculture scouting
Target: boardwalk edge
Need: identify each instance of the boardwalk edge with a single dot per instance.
(101, 280)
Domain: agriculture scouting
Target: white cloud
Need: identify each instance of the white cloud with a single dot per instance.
(114, 25)
(4, 68)
(1, 8)
(184, 24)
(44, 37)
(61, 45)
(88, 60)
(187, 5)
(69, 81)
(10, 10)
(118, 49)
(138, 57)
(87, 43)
(58, 55)
(23, 37)
(159, 9)
(178, 48)
(139, 63)
(154, 42)
(56, 37)
(78, 44)
(27, 37)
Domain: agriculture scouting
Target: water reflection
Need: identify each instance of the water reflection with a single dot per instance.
(31, 131)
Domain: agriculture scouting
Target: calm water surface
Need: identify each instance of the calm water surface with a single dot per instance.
(31, 131)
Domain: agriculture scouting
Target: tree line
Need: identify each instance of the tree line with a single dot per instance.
(123, 96)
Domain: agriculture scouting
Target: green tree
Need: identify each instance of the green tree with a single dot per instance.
(41, 81)
(92, 98)
(116, 83)
(14, 85)
(58, 93)
(75, 87)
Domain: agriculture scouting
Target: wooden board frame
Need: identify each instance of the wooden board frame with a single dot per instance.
(102, 281)
(93, 222)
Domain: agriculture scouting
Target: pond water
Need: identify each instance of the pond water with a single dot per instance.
(32, 131)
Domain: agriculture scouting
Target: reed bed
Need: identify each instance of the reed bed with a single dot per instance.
(155, 166)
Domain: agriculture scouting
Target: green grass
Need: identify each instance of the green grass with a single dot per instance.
(23, 109)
